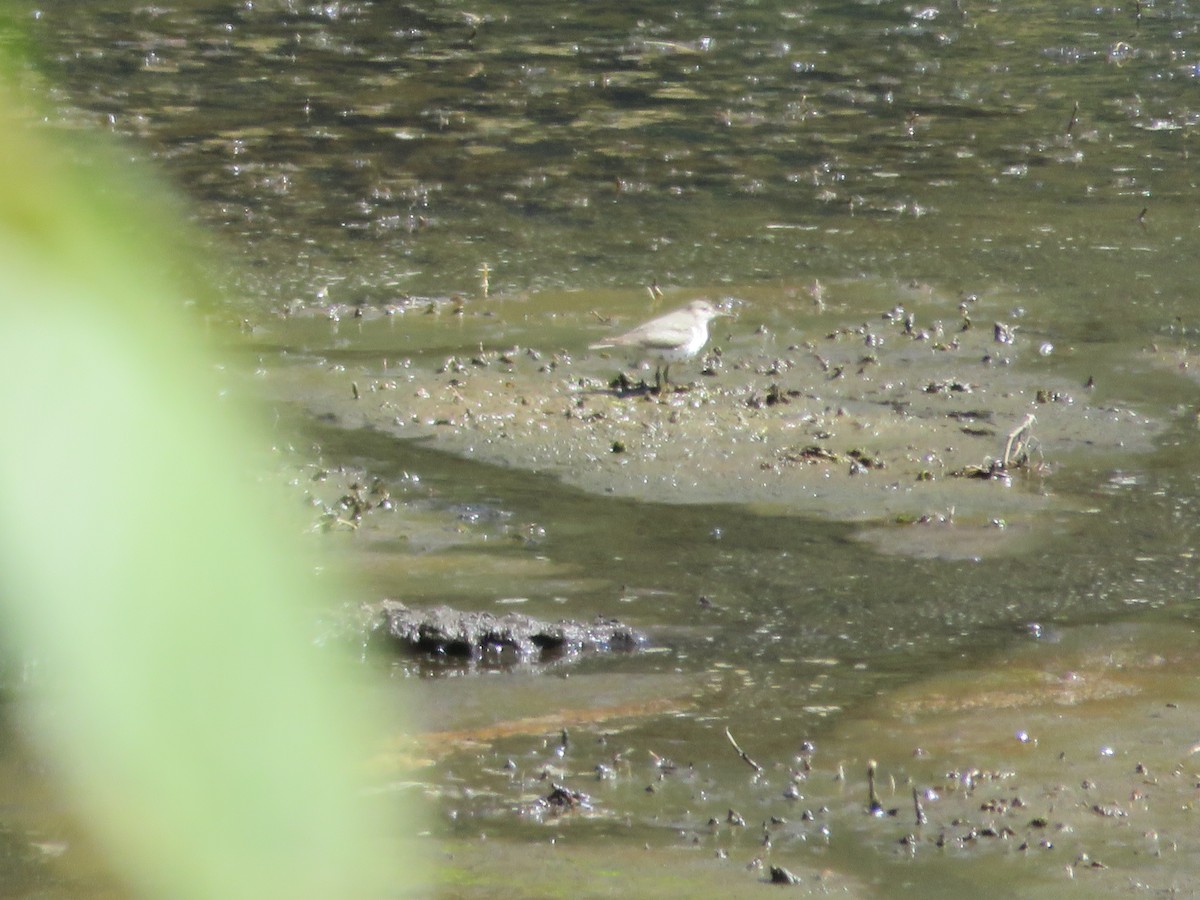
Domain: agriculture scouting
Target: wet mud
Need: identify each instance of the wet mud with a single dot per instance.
(932, 410)
(1062, 771)
(943, 425)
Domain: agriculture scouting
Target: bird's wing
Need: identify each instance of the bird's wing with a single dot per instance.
(659, 334)
(664, 333)
(665, 338)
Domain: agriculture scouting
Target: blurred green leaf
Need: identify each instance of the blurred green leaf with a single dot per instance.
(145, 569)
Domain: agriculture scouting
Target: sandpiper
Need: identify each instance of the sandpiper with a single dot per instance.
(673, 337)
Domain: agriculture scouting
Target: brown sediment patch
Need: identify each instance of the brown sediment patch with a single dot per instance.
(424, 748)
(1122, 662)
(1018, 692)
(939, 536)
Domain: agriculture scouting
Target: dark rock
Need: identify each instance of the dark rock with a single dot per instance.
(478, 635)
(780, 875)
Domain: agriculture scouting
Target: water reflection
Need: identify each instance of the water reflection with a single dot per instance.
(378, 149)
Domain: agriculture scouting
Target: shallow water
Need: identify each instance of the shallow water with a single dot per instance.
(1035, 156)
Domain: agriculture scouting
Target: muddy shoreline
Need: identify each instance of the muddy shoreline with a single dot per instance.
(904, 418)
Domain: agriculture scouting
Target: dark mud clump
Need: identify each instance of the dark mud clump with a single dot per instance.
(485, 637)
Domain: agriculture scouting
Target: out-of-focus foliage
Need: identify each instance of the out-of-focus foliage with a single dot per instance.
(145, 572)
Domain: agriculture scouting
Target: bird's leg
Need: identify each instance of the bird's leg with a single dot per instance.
(662, 377)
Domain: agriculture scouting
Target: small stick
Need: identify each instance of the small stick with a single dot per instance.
(484, 271)
(920, 810)
(1014, 435)
(742, 753)
(875, 807)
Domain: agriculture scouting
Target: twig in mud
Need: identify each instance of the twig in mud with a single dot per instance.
(1018, 441)
(1021, 441)
(874, 807)
(817, 292)
(920, 810)
(661, 762)
(742, 753)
